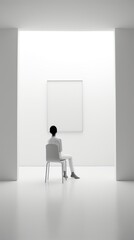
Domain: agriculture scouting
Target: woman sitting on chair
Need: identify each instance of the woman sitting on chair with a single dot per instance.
(58, 142)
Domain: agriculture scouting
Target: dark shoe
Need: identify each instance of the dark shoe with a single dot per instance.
(65, 175)
(73, 175)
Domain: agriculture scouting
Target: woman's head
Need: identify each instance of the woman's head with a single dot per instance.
(53, 130)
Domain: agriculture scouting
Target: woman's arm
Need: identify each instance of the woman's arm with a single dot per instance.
(60, 146)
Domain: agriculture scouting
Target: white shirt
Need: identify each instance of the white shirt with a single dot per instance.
(56, 141)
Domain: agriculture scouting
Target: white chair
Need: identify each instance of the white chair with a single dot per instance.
(52, 155)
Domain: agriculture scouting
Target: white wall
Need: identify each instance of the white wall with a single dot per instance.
(124, 40)
(87, 56)
(8, 104)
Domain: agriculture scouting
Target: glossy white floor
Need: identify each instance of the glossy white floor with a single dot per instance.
(96, 207)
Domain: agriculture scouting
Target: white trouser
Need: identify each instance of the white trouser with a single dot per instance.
(69, 158)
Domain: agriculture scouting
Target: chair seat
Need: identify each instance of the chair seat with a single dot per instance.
(53, 160)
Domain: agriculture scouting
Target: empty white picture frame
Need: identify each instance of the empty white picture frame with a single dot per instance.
(65, 105)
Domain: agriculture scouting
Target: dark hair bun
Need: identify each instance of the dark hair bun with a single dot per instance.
(53, 130)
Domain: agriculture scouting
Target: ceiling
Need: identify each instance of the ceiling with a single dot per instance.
(67, 14)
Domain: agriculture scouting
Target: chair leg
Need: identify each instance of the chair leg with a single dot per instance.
(46, 172)
(66, 167)
(62, 172)
(48, 169)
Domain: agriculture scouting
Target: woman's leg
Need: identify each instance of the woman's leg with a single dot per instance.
(65, 169)
(71, 164)
(64, 166)
(72, 168)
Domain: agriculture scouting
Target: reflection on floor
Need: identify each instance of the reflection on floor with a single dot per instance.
(96, 207)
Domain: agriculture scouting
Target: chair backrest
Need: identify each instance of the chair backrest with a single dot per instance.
(52, 153)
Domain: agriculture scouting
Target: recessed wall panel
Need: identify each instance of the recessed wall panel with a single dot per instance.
(64, 105)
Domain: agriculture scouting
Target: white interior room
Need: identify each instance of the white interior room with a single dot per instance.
(88, 56)
(68, 64)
